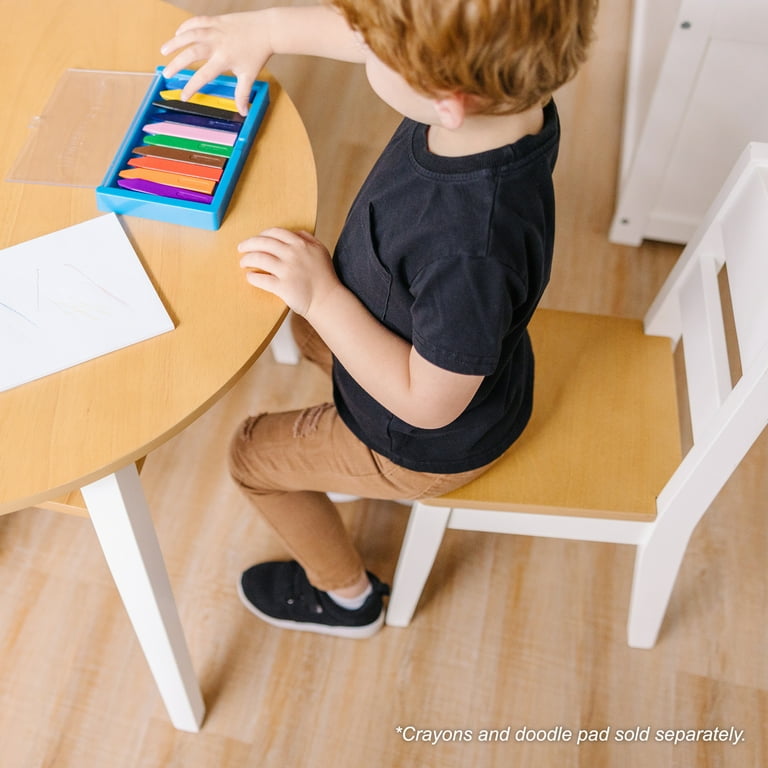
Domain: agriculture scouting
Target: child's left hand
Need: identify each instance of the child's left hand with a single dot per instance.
(295, 266)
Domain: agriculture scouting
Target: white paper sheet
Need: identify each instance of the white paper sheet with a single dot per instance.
(71, 296)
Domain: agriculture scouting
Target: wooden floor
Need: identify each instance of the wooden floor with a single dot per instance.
(511, 632)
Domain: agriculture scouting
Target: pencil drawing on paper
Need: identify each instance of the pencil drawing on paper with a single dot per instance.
(40, 295)
(16, 312)
(70, 296)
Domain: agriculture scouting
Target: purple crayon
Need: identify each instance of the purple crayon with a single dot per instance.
(164, 190)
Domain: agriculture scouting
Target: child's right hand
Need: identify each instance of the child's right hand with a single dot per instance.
(295, 266)
(236, 42)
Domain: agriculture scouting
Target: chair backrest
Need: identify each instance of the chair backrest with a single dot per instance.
(714, 300)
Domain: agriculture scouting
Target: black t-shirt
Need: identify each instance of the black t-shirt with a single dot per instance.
(452, 254)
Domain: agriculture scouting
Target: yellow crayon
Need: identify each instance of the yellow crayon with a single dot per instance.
(206, 99)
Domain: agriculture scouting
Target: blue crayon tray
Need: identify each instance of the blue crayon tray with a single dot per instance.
(112, 197)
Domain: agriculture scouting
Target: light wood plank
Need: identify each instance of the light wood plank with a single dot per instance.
(617, 403)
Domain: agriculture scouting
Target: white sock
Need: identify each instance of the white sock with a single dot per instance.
(351, 603)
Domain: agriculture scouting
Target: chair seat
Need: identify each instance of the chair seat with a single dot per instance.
(601, 384)
(601, 459)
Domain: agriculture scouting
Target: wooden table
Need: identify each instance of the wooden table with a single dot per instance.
(85, 428)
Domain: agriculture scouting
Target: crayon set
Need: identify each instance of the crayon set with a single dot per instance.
(180, 160)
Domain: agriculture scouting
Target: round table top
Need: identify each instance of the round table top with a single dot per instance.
(62, 431)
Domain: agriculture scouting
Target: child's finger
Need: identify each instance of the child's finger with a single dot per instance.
(260, 242)
(270, 241)
(242, 92)
(181, 39)
(204, 75)
(282, 235)
(196, 22)
(184, 60)
(263, 280)
(307, 236)
(263, 261)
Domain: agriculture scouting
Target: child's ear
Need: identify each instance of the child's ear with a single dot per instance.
(451, 110)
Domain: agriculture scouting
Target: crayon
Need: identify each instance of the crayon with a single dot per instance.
(184, 155)
(176, 166)
(171, 179)
(140, 185)
(195, 132)
(206, 147)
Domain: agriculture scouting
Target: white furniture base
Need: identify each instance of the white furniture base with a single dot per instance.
(124, 527)
(695, 97)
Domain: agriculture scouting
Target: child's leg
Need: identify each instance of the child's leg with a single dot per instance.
(274, 458)
(285, 462)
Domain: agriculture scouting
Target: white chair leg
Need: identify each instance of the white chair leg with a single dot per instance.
(426, 526)
(120, 515)
(283, 347)
(341, 498)
(657, 563)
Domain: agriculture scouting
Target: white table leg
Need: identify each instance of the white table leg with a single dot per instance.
(124, 527)
(283, 347)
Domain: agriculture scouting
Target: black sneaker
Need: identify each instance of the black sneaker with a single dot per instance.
(280, 594)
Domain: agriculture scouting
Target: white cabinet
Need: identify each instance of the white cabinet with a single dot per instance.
(697, 93)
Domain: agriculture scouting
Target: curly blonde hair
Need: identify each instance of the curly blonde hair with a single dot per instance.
(508, 55)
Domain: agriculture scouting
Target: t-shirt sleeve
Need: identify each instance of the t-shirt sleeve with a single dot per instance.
(463, 308)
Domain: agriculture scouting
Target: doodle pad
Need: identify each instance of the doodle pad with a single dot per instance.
(63, 303)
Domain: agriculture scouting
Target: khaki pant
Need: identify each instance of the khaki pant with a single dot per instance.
(285, 462)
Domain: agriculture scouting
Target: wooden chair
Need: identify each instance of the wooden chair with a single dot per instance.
(601, 459)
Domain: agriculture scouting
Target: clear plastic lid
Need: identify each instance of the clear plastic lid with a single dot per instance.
(75, 139)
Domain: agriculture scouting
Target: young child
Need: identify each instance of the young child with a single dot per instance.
(421, 315)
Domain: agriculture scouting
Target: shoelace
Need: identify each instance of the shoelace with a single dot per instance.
(304, 592)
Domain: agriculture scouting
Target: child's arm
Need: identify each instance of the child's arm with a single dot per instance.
(297, 268)
(243, 42)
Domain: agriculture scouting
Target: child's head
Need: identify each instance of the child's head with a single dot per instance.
(508, 55)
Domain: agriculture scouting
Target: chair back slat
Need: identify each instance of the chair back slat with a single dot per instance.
(745, 238)
(691, 306)
(704, 346)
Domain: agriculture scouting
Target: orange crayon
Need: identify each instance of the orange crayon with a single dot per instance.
(170, 179)
(176, 166)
